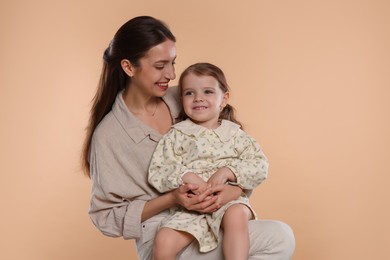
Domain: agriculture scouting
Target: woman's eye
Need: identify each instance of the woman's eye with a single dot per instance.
(159, 65)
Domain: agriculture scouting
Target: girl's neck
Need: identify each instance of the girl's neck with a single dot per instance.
(208, 125)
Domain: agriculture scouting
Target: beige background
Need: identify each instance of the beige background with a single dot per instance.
(310, 80)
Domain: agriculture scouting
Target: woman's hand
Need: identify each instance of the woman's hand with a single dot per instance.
(202, 203)
(224, 193)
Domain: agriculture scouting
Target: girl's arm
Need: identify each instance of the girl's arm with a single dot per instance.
(221, 176)
(166, 166)
(250, 167)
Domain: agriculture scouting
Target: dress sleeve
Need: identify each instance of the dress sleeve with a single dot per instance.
(251, 165)
(166, 167)
(112, 210)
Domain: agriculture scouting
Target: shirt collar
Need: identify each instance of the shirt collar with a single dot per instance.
(135, 128)
(225, 131)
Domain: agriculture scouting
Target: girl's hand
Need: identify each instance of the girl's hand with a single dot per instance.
(192, 178)
(221, 176)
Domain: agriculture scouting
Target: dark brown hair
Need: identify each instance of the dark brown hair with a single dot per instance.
(132, 41)
(207, 69)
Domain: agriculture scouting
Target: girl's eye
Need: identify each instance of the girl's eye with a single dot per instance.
(209, 92)
(188, 93)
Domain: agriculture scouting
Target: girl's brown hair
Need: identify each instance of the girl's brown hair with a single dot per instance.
(132, 41)
(207, 69)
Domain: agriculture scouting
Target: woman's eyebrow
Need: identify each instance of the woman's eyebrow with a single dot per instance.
(165, 61)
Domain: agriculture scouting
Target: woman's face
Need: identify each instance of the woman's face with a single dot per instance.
(203, 99)
(156, 70)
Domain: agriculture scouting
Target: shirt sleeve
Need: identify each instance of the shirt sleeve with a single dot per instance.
(166, 167)
(110, 212)
(251, 165)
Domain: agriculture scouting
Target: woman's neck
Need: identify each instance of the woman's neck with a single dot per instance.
(150, 110)
(140, 104)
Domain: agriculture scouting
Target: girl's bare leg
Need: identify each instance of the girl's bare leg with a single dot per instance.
(236, 234)
(169, 242)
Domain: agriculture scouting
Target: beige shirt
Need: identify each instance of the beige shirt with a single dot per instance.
(121, 150)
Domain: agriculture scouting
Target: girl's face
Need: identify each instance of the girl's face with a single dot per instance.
(203, 99)
(155, 70)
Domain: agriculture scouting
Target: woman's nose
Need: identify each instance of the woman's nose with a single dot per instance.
(170, 73)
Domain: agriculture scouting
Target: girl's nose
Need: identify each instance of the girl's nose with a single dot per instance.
(198, 98)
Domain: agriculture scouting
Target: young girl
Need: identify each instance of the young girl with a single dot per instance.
(206, 148)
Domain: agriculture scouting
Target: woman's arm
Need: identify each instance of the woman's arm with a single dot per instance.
(156, 205)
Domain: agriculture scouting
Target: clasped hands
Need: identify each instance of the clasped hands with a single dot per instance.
(207, 197)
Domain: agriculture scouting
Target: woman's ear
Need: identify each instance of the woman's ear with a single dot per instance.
(128, 68)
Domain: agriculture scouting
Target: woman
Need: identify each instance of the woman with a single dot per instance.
(132, 109)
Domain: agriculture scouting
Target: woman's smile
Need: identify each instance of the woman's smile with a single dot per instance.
(162, 85)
